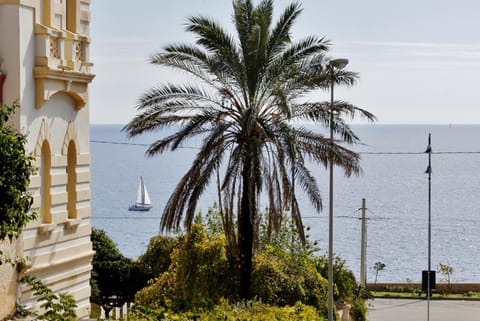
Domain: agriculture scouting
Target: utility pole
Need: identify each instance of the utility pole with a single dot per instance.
(429, 271)
(363, 251)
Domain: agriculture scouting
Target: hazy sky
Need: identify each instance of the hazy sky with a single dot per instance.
(419, 60)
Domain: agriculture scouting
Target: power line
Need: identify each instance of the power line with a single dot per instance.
(133, 144)
(361, 153)
(125, 217)
(117, 143)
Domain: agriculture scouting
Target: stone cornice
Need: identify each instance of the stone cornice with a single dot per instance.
(48, 82)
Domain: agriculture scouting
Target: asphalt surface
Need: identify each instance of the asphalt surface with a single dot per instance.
(416, 310)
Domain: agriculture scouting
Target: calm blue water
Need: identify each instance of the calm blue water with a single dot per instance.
(394, 186)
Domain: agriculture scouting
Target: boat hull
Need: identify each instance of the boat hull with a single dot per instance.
(139, 208)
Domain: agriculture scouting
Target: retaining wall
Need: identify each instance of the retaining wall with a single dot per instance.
(459, 288)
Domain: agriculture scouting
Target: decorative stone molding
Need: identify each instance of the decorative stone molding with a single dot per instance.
(49, 82)
(43, 134)
(70, 134)
(72, 223)
(46, 228)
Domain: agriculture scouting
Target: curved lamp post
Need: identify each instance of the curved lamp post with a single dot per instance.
(333, 64)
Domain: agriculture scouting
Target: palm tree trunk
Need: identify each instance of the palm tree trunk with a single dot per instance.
(245, 230)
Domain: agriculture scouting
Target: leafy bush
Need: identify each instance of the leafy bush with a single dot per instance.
(199, 275)
(16, 167)
(242, 311)
(345, 282)
(156, 258)
(281, 278)
(115, 278)
(202, 274)
(359, 310)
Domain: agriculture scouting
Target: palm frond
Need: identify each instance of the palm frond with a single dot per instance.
(280, 34)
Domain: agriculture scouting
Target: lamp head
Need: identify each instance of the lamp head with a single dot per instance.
(338, 63)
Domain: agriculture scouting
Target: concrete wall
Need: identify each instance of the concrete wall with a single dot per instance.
(454, 288)
(8, 279)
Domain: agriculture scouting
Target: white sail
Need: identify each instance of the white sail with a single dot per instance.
(142, 195)
(139, 192)
(146, 197)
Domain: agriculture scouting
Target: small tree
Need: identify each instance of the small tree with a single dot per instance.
(15, 171)
(115, 278)
(378, 266)
(446, 270)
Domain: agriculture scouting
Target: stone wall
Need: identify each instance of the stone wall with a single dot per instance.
(454, 288)
(8, 279)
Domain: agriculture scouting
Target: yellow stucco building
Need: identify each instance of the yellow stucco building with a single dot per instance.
(44, 63)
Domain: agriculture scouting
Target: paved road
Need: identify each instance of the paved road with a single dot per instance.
(416, 310)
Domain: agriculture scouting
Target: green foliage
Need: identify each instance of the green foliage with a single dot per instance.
(56, 307)
(156, 258)
(15, 171)
(115, 278)
(359, 310)
(344, 279)
(105, 248)
(282, 278)
(242, 311)
(199, 275)
(286, 236)
(446, 270)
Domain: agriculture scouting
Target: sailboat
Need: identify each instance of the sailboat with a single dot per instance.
(143, 202)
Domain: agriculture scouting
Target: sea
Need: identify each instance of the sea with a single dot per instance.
(394, 184)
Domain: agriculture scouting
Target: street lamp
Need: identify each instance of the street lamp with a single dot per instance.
(333, 64)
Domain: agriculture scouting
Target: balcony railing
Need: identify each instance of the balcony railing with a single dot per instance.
(61, 65)
(60, 49)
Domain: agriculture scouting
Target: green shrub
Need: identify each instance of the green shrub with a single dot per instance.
(16, 168)
(242, 311)
(345, 282)
(115, 278)
(156, 258)
(281, 278)
(359, 310)
(199, 275)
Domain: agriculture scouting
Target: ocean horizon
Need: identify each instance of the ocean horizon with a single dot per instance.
(393, 183)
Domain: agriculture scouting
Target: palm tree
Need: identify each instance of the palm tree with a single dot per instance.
(242, 105)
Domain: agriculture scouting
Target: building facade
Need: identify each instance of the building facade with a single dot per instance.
(44, 63)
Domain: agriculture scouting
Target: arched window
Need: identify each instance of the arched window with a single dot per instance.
(46, 183)
(72, 180)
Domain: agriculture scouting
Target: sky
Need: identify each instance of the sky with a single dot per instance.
(418, 60)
